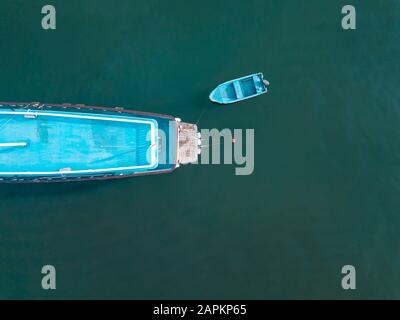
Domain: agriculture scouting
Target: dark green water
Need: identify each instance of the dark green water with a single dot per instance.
(325, 190)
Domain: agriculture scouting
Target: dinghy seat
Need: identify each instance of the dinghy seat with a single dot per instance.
(238, 90)
(257, 84)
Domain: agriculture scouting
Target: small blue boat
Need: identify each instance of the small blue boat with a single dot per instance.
(240, 89)
(53, 142)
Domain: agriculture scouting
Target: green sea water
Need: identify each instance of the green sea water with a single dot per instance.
(326, 185)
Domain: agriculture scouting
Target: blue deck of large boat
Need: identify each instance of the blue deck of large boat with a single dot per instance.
(47, 142)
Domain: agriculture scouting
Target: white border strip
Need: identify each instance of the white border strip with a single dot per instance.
(153, 143)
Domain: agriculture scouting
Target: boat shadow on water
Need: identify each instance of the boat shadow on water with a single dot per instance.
(12, 190)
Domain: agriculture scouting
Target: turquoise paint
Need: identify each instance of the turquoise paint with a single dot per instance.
(239, 89)
(44, 143)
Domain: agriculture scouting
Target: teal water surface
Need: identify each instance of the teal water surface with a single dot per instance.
(326, 184)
